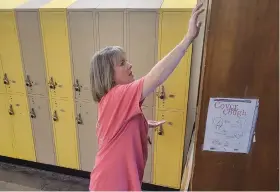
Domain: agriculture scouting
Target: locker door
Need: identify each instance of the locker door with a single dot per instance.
(142, 51)
(65, 133)
(149, 114)
(24, 145)
(10, 53)
(172, 29)
(42, 129)
(2, 85)
(7, 135)
(82, 48)
(169, 149)
(110, 29)
(86, 118)
(32, 52)
(56, 47)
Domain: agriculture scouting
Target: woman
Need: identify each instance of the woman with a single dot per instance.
(122, 129)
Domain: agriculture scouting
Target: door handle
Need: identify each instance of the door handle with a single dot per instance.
(32, 113)
(77, 86)
(79, 119)
(55, 116)
(52, 83)
(28, 82)
(11, 110)
(6, 80)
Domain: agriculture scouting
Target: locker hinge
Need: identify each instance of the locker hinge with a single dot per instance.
(52, 83)
(55, 117)
(79, 119)
(28, 82)
(32, 113)
(11, 110)
(6, 80)
(162, 93)
(77, 86)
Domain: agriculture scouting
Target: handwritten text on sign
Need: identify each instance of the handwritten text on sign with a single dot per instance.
(230, 124)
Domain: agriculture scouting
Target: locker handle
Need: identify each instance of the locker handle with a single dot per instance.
(77, 86)
(160, 130)
(52, 83)
(162, 93)
(28, 81)
(32, 113)
(55, 117)
(79, 119)
(11, 110)
(6, 80)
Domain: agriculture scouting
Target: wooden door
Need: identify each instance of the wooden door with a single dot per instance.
(241, 59)
(86, 119)
(32, 52)
(42, 129)
(82, 50)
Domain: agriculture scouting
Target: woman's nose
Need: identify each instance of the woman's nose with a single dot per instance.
(129, 66)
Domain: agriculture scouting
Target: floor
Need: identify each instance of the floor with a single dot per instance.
(18, 178)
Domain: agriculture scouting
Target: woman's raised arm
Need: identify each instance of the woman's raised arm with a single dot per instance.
(160, 72)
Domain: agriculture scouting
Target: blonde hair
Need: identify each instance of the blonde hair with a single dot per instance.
(102, 70)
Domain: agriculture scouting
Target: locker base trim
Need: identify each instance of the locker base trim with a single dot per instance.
(71, 172)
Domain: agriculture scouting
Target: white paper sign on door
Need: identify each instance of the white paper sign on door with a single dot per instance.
(230, 124)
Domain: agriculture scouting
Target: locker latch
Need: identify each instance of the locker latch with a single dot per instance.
(32, 113)
(5, 79)
(55, 117)
(28, 82)
(11, 110)
(162, 93)
(79, 119)
(77, 86)
(52, 83)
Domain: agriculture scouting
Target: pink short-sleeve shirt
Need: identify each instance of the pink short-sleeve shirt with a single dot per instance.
(122, 132)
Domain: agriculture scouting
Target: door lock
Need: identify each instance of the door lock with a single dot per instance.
(28, 82)
(32, 113)
(162, 93)
(52, 83)
(11, 110)
(55, 117)
(79, 119)
(77, 86)
(6, 80)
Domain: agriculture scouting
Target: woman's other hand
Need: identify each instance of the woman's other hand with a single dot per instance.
(154, 124)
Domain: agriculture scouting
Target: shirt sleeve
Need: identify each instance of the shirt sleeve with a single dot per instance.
(129, 96)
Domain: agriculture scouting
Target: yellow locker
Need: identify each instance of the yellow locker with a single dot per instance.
(2, 85)
(23, 136)
(169, 146)
(7, 134)
(173, 27)
(12, 71)
(54, 29)
(172, 96)
(53, 19)
(65, 133)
